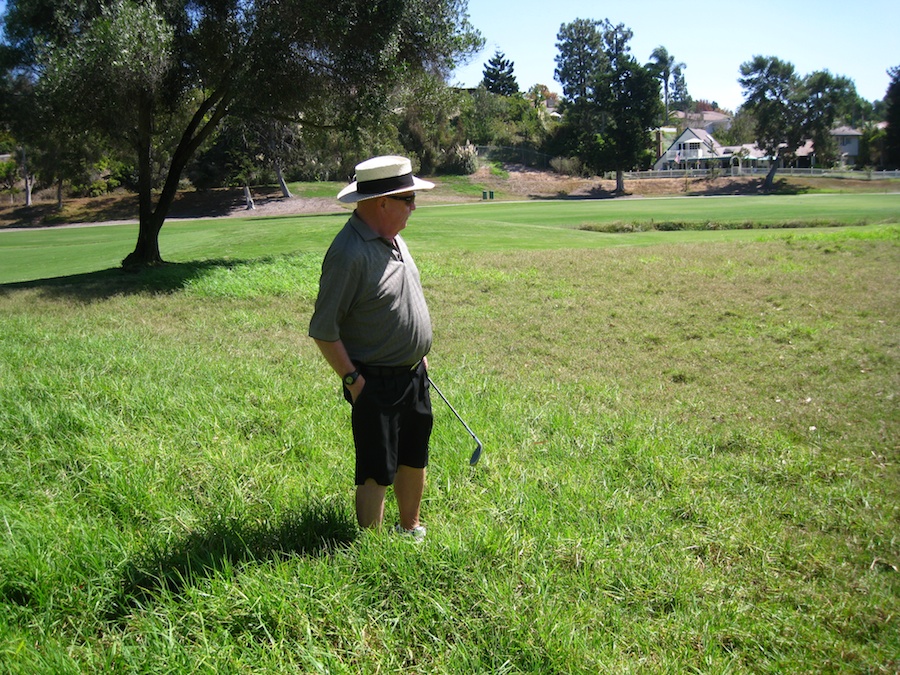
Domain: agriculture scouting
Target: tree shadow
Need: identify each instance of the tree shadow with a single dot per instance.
(222, 542)
(781, 186)
(116, 281)
(594, 193)
(213, 203)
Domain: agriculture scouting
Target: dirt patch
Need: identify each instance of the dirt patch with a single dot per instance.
(534, 184)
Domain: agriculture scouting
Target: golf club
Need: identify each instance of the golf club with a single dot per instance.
(475, 455)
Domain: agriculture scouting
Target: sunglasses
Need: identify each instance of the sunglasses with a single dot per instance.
(409, 199)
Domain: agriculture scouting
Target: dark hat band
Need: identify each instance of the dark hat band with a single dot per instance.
(381, 185)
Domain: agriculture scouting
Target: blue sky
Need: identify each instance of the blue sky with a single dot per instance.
(858, 40)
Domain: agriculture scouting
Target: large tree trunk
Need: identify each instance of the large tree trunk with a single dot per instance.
(248, 197)
(146, 252)
(770, 177)
(620, 182)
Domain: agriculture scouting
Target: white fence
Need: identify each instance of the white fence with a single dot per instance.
(750, 171)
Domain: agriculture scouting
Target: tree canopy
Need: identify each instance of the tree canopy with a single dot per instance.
(892, 135)
(613, 100)
(771, 89)
(663, 65)
(159, 78)
(499, 77)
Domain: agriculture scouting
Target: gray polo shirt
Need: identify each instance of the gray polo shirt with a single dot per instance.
(370, 298)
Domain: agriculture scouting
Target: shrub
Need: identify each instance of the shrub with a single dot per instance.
(567, 166)
(460, 160)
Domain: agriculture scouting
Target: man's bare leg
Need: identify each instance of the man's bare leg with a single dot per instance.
(409, 485)
(370, 503)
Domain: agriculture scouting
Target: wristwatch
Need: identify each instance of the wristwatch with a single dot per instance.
(350, 378)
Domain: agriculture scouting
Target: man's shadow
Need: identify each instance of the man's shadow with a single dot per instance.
(221, 542)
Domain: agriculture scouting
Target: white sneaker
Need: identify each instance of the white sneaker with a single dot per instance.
(417, 534)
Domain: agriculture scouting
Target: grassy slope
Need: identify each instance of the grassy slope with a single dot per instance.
(690, 457)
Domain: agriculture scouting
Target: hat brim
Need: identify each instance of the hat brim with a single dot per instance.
(349, 195)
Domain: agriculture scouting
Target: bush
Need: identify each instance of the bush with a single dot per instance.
(460, 160)
(567, 166)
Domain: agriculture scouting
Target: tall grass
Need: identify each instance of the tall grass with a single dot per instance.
(690, 466)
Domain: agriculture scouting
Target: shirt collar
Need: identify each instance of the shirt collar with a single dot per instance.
(363, 230)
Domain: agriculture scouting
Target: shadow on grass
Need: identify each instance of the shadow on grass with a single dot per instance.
(123, 206)
(223, 542)
(593, 193)
(108, 283)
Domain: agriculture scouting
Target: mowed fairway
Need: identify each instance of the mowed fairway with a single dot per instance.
(690, 448)
(38, 254)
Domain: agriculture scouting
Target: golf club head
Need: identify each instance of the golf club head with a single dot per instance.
(473, 460)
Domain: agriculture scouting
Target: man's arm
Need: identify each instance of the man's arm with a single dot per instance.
(336, 355)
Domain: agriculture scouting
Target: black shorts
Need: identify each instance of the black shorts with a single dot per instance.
(392, 423)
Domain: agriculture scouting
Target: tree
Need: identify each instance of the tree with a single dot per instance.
(827, 98)
(871, 146)
(680, 98)
(628, 98)
(510, 121)
(741, 131)
(892, 117)
(613, 92)
(663, 65)
(580, 57)
(498, 76)
(158, 79)
(772, 96)
(540, 95)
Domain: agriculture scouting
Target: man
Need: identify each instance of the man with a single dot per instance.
(372, 325)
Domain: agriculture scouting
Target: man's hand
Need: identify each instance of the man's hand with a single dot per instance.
(356, 388)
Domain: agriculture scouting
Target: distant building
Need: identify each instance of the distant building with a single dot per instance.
(708, 120)
(848, 144)
(697, 148)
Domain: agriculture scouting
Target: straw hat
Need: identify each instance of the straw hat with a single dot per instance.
(380, 177)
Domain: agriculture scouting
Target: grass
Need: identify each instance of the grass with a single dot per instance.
(690, 456)
(38, 254)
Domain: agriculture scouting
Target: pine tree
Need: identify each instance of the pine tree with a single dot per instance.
(499, 77)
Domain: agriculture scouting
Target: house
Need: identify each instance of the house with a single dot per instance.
(708, 120)
(847, 139)
(697, 149)
(693, 145)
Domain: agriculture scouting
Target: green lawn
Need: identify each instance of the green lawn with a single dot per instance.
(690, 449)
(39, 254)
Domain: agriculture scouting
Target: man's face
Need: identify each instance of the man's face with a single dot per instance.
(400, 207)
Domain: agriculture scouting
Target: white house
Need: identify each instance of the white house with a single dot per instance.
(696, 148)
(691, 146)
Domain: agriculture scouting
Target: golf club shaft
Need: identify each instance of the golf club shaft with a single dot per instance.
(462, 421)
